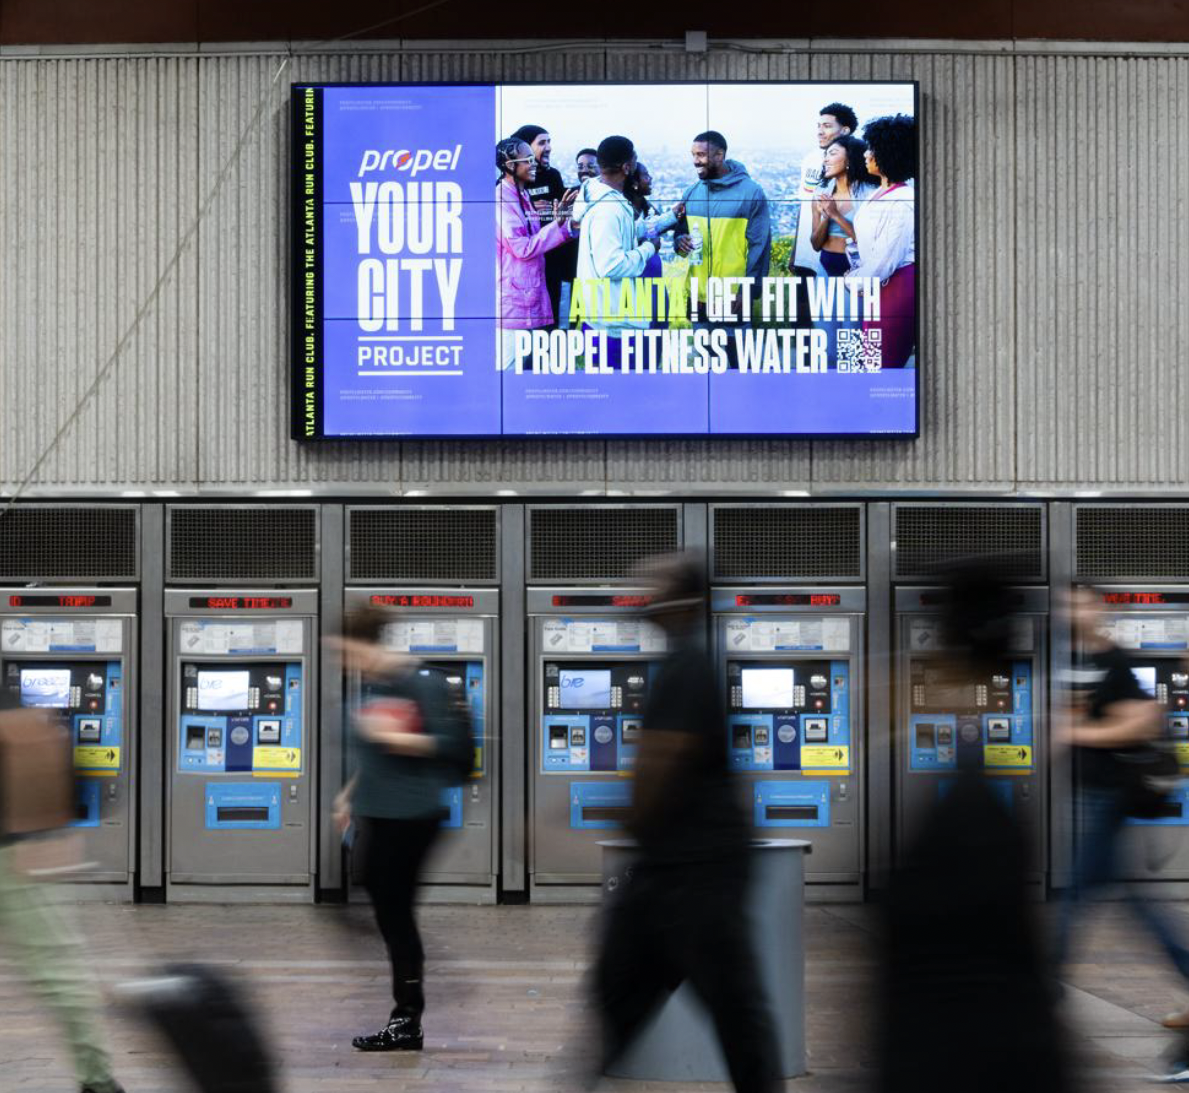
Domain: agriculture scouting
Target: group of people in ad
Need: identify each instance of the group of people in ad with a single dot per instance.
(856, 220)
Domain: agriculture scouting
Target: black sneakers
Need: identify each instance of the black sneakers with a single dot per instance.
(400, 1034)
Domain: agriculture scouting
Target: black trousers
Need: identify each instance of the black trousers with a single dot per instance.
(683, 922)
(394, 852)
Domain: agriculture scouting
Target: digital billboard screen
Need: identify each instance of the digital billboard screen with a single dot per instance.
(677, 259)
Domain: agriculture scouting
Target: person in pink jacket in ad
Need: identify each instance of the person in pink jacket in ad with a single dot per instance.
(521, 243)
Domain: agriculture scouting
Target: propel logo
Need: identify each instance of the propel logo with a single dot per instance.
(414, 162)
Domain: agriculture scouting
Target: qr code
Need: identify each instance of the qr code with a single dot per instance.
(860, 350)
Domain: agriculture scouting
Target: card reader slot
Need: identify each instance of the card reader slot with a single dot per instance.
(242, 813)
(604, 814)
(790, 812)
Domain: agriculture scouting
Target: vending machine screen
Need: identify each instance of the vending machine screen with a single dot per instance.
(45, 688)
(241, 719)
(593, 715)
(789, 715)
(961, 719)
(585, 690)
(767, 688)
(1145, 676)
(223, 690)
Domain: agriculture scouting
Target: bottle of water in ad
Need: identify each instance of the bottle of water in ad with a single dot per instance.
(695, 238)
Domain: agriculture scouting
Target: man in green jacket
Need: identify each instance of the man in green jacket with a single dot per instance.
(728, 209)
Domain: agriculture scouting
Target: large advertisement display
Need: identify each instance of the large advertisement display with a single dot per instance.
(728, 259)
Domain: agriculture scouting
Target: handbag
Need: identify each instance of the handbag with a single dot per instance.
(1150, 773)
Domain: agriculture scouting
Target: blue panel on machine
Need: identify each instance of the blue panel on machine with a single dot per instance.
(243, 806)
(1176, 810)
(792, 804)
(239, 743)
(452, 803)
(86, 802)
(932, 740)
(565, 742)
(477, 700)
(599, 805)
(603, 741)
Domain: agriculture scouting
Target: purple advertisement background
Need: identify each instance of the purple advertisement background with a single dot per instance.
(365, 394)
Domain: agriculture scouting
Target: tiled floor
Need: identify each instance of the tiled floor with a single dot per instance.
(506, 999)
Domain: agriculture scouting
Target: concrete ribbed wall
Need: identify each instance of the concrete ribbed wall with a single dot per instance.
(1053, 277)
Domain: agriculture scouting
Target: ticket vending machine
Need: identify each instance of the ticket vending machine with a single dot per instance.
(242, 783)
(994, 722)
(791, 663)
(592, 656)
(70, 651)
(1152, 624)
(454, 632)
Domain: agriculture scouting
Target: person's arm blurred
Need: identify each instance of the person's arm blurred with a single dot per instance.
(384, 731)
(342, 805)
(1123, 724)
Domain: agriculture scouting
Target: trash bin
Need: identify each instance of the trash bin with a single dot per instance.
(680, 1044)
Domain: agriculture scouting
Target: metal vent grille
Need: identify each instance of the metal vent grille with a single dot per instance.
(598, 543)
(928, 537)
(69, 543)
(1132, 541)
(415, 543)
(795, 542)
(242, 545)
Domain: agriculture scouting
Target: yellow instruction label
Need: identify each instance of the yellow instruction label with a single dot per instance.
(93, 757)
(1007, 755)
(276, 758)
(834, 757)
(1182, 748)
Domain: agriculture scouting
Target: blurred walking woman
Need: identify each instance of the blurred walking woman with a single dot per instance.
(522, 244)
(845, 185)
(885, 230)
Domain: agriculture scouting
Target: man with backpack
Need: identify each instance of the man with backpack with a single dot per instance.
(411, 743)
(1112, 720)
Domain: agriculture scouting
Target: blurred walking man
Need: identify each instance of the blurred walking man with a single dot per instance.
(681, 916)
(1112, 716)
